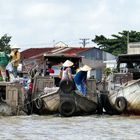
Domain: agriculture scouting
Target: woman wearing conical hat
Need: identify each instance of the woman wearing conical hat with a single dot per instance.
(80, 79)
(15, 58)
(67, 72)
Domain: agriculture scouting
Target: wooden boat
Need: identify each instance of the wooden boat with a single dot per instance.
(74, 103)
(53, 102)
(64, 100)
(12, 96)
(127, 98)
(48, 103)
(44, 102)
(123, 88)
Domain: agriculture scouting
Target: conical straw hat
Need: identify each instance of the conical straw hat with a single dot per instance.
(85, 68)
(15, 47)
(67, 63)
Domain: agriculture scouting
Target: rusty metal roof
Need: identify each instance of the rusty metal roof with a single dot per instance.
(38, 52)
(76, 50)
(34, 52)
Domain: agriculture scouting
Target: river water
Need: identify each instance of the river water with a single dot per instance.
(52, 127)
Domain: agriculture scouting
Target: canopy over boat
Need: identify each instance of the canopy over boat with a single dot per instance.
(124, 58)
(58, 58)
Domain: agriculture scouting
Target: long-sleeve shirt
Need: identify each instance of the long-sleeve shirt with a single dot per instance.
(15, 58)
(67, 74)
(80, 77)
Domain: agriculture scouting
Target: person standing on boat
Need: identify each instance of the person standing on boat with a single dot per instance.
(4, 59)
(15, 58)
(66, 71)
(80, 79)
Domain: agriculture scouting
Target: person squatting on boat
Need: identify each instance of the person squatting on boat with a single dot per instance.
(66, 70)
(15, 58)
(4, 59)
(49, 70)
(80, 79)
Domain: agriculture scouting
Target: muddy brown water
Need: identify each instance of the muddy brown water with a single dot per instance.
(54, 127)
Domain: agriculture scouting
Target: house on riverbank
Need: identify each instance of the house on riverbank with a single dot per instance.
(91, 56)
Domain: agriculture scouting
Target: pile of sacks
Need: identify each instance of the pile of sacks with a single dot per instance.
(48, 90)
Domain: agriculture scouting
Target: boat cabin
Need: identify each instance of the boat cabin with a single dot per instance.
(129, 63)
(56, 61)
(123, 87)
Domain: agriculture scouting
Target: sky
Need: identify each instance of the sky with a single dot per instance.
(42, 23)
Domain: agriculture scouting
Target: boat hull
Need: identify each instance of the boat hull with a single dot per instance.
(50, 103)
(76, 104)
(12, 95)
(86, 104)
(131, 93)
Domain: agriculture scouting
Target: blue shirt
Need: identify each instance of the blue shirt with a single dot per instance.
(80, 77)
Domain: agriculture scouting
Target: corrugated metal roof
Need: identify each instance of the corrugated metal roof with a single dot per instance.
(76, 50)
(38, 52)
(61, 55)
(34, 52)
(60, 50)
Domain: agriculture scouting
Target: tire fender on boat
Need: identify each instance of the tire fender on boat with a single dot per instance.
(39, 103)
(67, 107)
(121, 104)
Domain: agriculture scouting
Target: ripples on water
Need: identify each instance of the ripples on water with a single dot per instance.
(72, 128)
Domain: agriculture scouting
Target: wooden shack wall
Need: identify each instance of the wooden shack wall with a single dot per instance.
(94, 58)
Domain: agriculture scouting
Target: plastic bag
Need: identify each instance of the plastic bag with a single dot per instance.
(12, 78)
(19, 68)
(9, 67)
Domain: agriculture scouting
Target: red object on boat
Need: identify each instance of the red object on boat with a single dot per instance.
(30, 86)
(50, 70)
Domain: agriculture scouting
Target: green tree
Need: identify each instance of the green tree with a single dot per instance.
(117, 44)
(4, 43)
(107, 71)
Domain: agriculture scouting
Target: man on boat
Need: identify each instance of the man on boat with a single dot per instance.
(80, 79)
